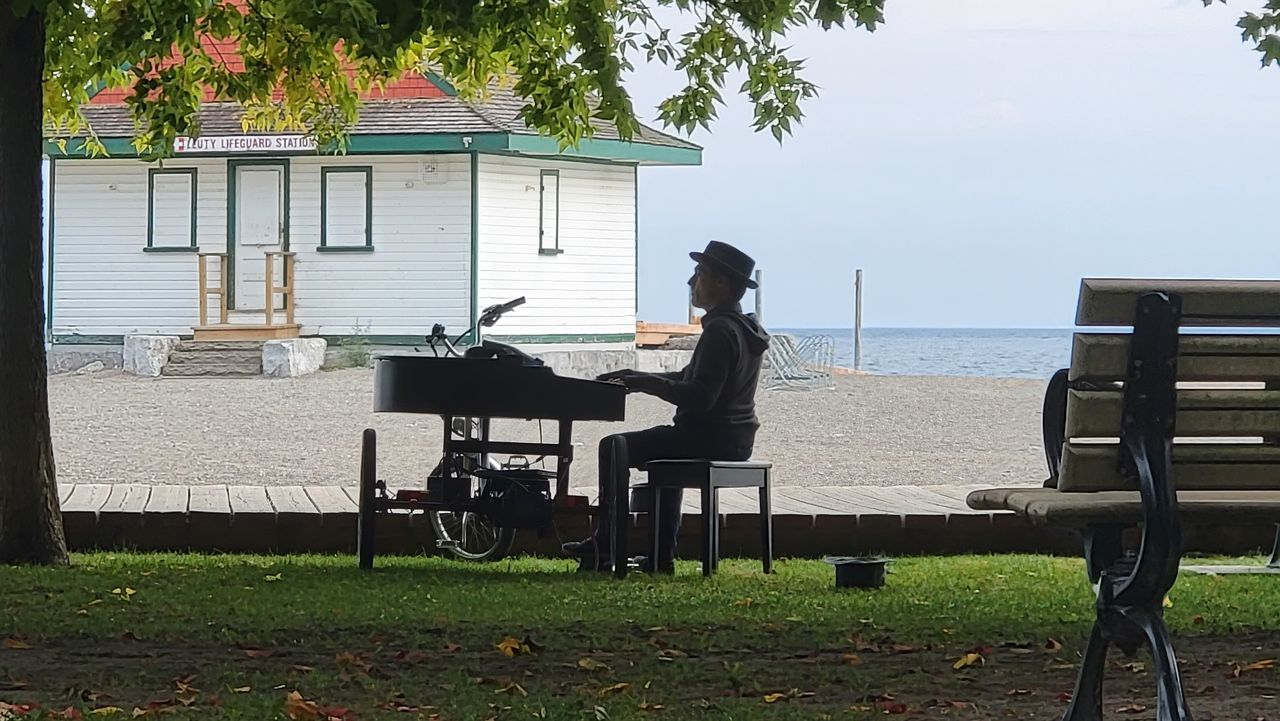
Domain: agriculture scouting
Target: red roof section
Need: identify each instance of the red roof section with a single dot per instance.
(412, 86)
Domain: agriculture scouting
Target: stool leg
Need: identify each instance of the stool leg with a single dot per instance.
(715, 530)
(766, 526)
(621, 507)
(708, 529)
(655, 519)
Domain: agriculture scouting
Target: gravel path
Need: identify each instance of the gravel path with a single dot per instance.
(870, 430)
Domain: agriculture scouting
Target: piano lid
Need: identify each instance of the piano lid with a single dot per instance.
(497, 387)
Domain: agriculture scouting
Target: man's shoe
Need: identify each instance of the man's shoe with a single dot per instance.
(593, 564)
(642, 564)
(588, 547)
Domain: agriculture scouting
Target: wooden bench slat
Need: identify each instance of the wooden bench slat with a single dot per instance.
(126, 498)
(87, 498)
(1104, 357)
(168, 499)
(1223, 303)
(209, 499)
(1051, 507)
(1093, 467)
(1201, 413)
(249, 499)
(290, 499)
(329, 499)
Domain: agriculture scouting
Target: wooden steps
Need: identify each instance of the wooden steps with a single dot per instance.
(245, 332)
(214, 358)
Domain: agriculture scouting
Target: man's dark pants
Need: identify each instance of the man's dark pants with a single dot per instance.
(661, 442)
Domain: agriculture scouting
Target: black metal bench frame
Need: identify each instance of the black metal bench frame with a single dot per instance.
(1132, 588)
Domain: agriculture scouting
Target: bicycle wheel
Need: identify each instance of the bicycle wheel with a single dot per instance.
(470, 536)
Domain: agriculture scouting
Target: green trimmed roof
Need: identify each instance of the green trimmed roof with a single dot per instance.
(443, 124)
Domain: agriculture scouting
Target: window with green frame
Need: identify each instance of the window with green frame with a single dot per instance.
(549, 212)
(346, 208)
(171, 210)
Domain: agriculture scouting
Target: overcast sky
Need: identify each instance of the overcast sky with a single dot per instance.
(977, 157)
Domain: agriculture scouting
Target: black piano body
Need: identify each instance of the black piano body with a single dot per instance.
(504, 386)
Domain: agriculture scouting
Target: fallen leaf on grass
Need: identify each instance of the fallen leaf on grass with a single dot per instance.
(774, 697)
(16, 644)
(968, 659)
(259, 652)
(411, 656)
(511, 647)
(745, 602)
(616, 688)
(1131, 708)
(590, 664)
(902, 648)
(300, 709)
(935, 703)
(851, 659)
(106, 711)
(273, 577)
(1064, 697)
(124, 594)
(129, 636)
(861, 645)
(1017, 692)
(1255, 666)
(452, 648)
(668, 654)
(242, 689)
(1167, 603)
(650, 706)
(1134, 666)
(15, 709)
(1052, 646)
(514, 689)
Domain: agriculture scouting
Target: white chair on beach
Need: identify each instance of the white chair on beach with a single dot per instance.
(798, 364)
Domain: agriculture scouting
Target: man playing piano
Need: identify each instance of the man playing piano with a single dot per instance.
(714, 397)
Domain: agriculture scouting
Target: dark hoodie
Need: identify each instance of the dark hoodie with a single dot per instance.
(715, 393)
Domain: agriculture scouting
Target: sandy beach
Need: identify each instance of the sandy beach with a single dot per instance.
(110, 427)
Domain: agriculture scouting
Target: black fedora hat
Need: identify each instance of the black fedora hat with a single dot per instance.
(727, 259)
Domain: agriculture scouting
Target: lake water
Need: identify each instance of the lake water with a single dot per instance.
(1002, 353)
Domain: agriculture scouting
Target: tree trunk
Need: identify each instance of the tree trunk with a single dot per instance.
(30, 520)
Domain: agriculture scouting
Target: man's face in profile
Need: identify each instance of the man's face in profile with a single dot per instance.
(708, 288)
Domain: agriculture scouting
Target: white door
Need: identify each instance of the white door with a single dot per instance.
(259, 228)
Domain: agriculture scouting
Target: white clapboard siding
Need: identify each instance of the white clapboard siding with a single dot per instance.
(589, 288)
(104, 283)
(419, 272)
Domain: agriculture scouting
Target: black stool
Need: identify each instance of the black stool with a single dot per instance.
(709, 477)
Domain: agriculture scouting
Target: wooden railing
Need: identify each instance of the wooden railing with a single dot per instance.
(206, 291)
(286, 289)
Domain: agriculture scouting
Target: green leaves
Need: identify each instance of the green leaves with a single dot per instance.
(302, 65)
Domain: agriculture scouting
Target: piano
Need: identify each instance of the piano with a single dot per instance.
(502, 386)
(494, 380)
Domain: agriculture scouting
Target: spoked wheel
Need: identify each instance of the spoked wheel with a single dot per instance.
(470, 536)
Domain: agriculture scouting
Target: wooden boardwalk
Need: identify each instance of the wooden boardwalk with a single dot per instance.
(808, 521)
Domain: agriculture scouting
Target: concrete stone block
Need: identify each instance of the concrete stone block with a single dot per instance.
(293, 357)
(662, 361)
(146, 355)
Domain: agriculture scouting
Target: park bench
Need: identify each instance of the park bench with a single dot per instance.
(1160, 429)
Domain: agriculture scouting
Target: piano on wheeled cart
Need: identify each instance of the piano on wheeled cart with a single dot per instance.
(468, 494)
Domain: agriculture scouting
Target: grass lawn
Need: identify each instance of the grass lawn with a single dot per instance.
(311, 637)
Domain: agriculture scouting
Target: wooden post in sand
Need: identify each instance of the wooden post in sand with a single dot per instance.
(760, 297)
(857, 319)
